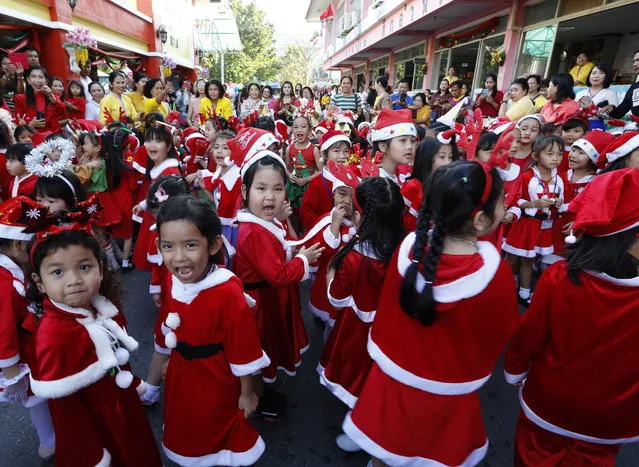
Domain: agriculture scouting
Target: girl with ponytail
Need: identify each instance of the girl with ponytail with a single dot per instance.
(446, 311)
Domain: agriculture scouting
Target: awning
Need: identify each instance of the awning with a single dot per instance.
(328, 13)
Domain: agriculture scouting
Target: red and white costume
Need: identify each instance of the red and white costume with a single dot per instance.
(159, 276)
(435, 371)
(271, 278)
(168, 167)
(318, 199)
(522, 163)
(512, 189)
(354, 291)
(96, 422)
(412, 193)
(24, 186)
(124, 195)
(226, 189)
(532, 234)
(217, 342)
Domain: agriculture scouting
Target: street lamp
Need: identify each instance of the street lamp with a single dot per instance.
(161, 32)
(72, 4)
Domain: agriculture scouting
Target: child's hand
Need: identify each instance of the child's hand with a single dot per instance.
(509, 217)
(302, 181)
(95, 164)
(286, 212)
(312, 253)
(567, 228)
(248, 403)
(157, 299)
(558, 202)
(293, 179)
(337, 218)
(544, 203)
(137, 210)
(202, 161)
(192, 178)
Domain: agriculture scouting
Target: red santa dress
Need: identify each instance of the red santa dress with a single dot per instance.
(435, 371)
(226, 189)
(24, 186)
(532, 234)
(217, 342)
(271, 278)
(511, 177)
(318, 199)
(123, 195)
(573, 353)
(168, 167)
(354, 291)
(96, 422)
(412, 193)
(159, 277)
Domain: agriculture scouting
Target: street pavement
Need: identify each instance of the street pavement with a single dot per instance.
(305, 438)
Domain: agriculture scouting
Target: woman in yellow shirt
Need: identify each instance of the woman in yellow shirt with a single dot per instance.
(421, 109)
(137, 95)
(582, 69)
(155, 95)
(534, 92)
(116, 106)
(214, 101)
(452, 75)
(516, 103)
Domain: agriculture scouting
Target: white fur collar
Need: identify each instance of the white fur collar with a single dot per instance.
(186, 293)
(586, 179)
(632, 282)
(274, 227)
(16, 184)
(509, 174)
(231, 177)
(167, 164)
(317, 228)
(16, 271)
(536, 189)
(384, 174)
(102, 305)
(328, 175)
(462, 288)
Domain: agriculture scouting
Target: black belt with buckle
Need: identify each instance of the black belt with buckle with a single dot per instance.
(193, 352)
(255, 285)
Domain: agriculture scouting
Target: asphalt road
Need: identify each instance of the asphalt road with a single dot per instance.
(306, 436)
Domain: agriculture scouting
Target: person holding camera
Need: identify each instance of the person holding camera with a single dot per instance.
(401, 99)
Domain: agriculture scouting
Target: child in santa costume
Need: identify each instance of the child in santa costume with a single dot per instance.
(318, 199)
(573, 351)
(82, 348)
(215, 346)
(621, 153)
(270, 273)
(162, 160)
(446, 311)
(17, 324)
(162, 189)
(540, 201)
(22, 181)
(355, 280)
(394, 138)
(530, 127)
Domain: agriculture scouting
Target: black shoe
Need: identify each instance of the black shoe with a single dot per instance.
(272, 405)
(525, 302)
(127, 269)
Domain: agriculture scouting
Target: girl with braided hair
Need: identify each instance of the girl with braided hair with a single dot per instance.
(355, 278)
(446, 311)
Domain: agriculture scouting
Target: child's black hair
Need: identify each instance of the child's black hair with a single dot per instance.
(573, 123)
(21, 129)
(545, 142)
(264, 123)
(162, 134)
(18, 151)
(55, 187)
(224, 134)
(487, 142)
(265, 162)
(608, 255)
(74, 82)
(151, 118)
(421, 132)
(381, 228)
(453, 193)
(547, 129)
(168, 185)
(423, 165)
(219, 123)
(196, 211)
(110, 287)
(308, 121)
(5, 136)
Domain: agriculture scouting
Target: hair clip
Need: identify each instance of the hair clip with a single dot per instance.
(161, 195)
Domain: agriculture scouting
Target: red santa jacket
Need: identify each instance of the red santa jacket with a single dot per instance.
(576, 353)
(53, 113)
(412, 193)
(512, 188)
(318, 199)
(158, 270)
(476, 315)
(16, 324)
(226, 191)
(25, 187)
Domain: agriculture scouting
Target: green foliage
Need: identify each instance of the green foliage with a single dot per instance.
(257, 60)
(296, 63)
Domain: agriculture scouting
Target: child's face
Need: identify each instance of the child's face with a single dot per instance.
(514, 145)
(632, 161)
(75, 90)
(301, 130)
(344, 195)
(185, 251)
(157, 150)
(25, 137)
(220, 151)
(339, 153)
(88, 147)
(401, 149)
(266, 195)
(529, 130)
(210, 131)
(15, 168)
(544, 91)
(57, 87)
(55, 154)
(572, 135)
(71, 275)
(578, 159)
(549, 158)
(55, 205)
(482, 155)
(443, 157)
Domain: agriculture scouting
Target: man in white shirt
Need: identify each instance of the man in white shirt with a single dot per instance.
(85, 79)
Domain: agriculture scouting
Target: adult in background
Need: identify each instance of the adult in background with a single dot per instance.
(85, 79)
(516, 103)
(598, 93)
(253, 101)
(38, 106)
(421, 109)
(441, 101)
(561, 98)
(401, 99)
(458, 96)
(363, 95)
(117, 106)
(33, 56)
(631, 99)
(184, 96)
(345, 98)
(137, 95)
(451, 77)
(11, 81)
(313, 110)
(581, 70)
(96, 93)
(214, 101)
(490, 98)
(298, 90)
(534, 92)
(372, 95)
(156, 95)
(267, 98)
(194, 106)
(383, 97)
(283, 106)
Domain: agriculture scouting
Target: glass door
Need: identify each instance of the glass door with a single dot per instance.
(536, 51)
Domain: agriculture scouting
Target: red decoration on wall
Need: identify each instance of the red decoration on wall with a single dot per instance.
(478, 32)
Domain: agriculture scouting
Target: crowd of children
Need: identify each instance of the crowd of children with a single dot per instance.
(422, 246)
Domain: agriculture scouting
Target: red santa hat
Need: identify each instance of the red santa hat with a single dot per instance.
(257, 156)
(281, 131)
(331, 137)
(346, 117)
(618, 148)
(173, 118)
(39, 137)
(393, 123)
(134, 142)
(608, 205)
(13, 214)
(499, 125)
(195, 145)
(248, 142)
(594, 143)
(324, 126)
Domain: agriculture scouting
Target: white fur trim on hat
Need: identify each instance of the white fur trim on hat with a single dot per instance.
(393, 131)
(623, 150)
(261, 144)
(248, 162)
(14, 232)
(537, 117)
(587, 147)
(362, 125)
(345, 119)
(501, 128)
(335, 139)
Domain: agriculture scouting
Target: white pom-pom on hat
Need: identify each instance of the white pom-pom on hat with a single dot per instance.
(170, 340)
(173, 321)
(571, 239)
(228, 162)
(122, 356)
(124, 379)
